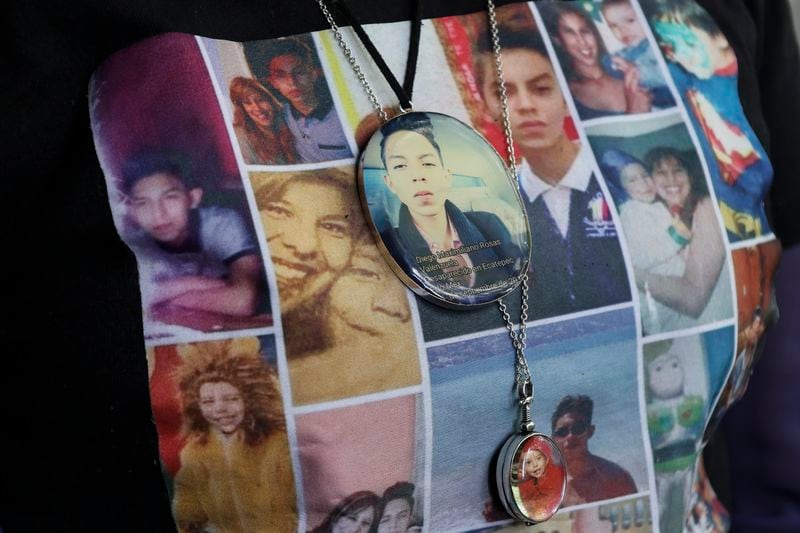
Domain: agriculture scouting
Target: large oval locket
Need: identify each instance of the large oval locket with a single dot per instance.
(444, 209)
(531, 477)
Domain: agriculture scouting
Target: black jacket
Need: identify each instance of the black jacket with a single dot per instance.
(405, 243)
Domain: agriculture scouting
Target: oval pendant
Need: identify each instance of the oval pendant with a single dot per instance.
(531, 477)
(444, 209)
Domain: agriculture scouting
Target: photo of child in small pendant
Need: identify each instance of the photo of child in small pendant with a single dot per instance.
(538, 478)
(441, 201)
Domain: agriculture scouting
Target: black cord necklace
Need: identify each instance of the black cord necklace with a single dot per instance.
(405, 91)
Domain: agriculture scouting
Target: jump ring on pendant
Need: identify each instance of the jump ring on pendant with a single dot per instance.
(525, 391)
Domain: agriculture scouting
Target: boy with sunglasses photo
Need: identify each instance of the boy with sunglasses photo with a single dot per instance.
(589, 477)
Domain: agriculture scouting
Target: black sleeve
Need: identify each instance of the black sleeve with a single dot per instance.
(778, 69)
(763, 37)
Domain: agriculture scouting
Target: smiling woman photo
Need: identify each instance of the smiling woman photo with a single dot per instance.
(581, 52)
(259, 125)
(657, 238)
(702, 293)
(332, 281)
(308, 221)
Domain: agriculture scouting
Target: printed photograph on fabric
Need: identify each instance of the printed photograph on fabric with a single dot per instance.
(175, 190)
(576, 259)
(277, 101)
(467, 46)
(592, 415)
(252, 107)
(222, 435)
(332, 281)
(705, 70)
(628, 515)
(668, 219)
(442, 203)
(755, 270)
(363, 466)
(607, 59)
(683, 378)
(754, 267)
(706, 512)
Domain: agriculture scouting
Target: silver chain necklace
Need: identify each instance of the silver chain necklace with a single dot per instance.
(353, 63)
(510, 465)
(518, 335)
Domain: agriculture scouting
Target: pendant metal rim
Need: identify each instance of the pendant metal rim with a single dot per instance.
(504, 481)
(421, 285)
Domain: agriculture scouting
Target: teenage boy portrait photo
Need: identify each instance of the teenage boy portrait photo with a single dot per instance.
(429, 224)
(576, 260)
(192, 258)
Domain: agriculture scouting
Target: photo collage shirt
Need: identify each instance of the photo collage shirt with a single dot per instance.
(297, 384)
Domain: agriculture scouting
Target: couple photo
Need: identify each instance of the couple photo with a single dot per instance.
(282, 111)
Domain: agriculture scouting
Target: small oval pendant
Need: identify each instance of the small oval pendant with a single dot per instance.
(445, 210)
(531, 477)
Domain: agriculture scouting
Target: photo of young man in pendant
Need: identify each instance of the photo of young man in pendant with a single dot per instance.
(461, 233)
